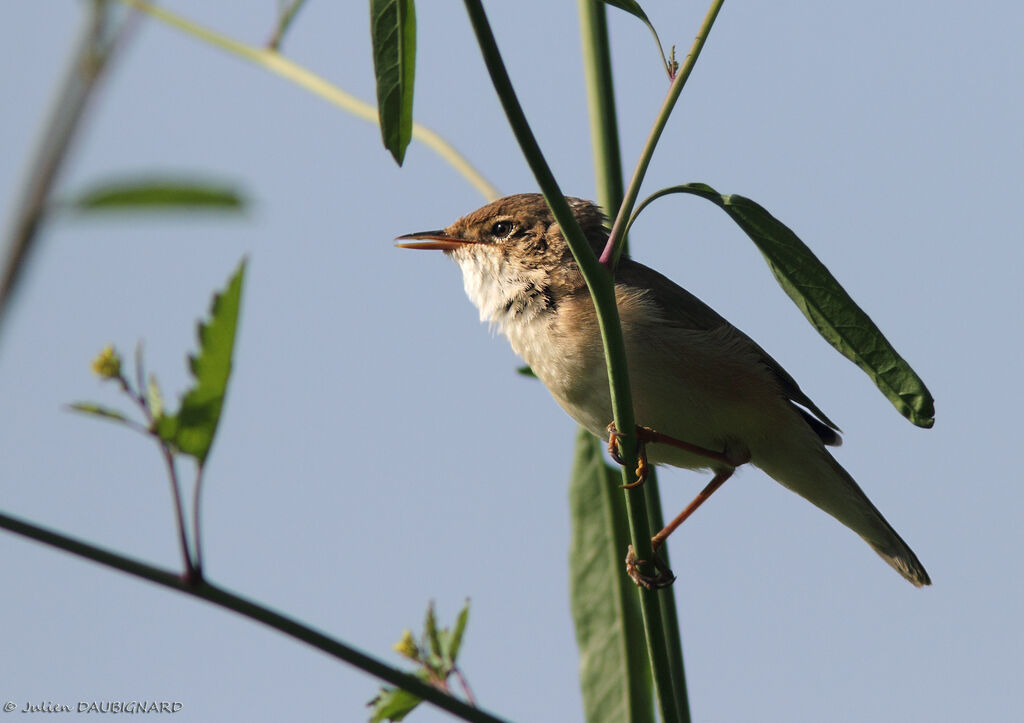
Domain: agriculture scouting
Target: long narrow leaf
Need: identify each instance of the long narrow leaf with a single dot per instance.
(98, 410)
(614, 672)
(393, 31)
(158, 194)
(823, 301)
(633, 8)
(192, 429)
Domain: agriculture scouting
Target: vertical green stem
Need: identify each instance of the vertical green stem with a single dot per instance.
(604, 134)
(604, 125)
(599, 281)
(608, 178)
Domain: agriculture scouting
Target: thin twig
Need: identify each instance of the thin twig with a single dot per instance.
(255, 611)
(83, 75)
(197, 546)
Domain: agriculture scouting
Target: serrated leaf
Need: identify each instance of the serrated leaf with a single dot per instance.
(158, 194)
(614, 672)
(392, 704)
(192, 429)
(97, 410)
(823, 301)
(393, 32)
(454, 642)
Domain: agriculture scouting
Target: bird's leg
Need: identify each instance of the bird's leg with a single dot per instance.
(717, 481)
(664, 576)
(646, 435)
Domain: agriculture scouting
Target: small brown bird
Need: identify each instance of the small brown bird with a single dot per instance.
(715, 398)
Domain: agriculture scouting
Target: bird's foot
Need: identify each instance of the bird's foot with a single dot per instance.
(659, 581)
(642, 468)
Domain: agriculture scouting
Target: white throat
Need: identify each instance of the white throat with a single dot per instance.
(509, 296)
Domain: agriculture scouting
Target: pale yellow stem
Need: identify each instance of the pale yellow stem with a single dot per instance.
(276, 63)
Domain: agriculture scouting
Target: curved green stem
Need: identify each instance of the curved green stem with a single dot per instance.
(276, 63)
(613, 250)
(223, 598)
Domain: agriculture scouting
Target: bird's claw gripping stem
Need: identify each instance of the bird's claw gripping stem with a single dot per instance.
(660, 581)
(646, 435)
(642, 468)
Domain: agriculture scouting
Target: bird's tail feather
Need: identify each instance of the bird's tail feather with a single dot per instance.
(827, 485)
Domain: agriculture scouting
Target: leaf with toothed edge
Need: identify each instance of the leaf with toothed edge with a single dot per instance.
(192, 429)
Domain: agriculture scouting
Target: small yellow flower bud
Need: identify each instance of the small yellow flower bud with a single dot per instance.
(107, 364)
(407, 646)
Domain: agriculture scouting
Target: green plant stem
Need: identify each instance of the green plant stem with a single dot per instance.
(204, 590)
(179, 514)
(608, 177)
(608, 171)
(604, 126)
(599, 281)
(197, 528)
(83, 74)
(669, 614)
(276, 63)
(283, 23)
(613, 250)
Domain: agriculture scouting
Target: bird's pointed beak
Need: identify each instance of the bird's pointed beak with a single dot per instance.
(432, 240)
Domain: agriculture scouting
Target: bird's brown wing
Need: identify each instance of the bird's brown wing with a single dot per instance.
(690, 312)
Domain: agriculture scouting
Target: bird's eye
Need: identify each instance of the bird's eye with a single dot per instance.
(502, 229)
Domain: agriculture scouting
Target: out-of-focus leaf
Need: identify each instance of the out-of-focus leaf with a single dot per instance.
(154, 398)
(159, 195)
(99, 411)
(823, 301)
(614, 672)
(392, 704)
(431, 634)
(192, 429)
(526, 371)
(393, 32)
(455, 640)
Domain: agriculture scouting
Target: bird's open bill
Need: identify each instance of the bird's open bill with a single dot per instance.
(432, 240)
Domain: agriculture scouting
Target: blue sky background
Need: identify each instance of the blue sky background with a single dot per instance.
(379, 451)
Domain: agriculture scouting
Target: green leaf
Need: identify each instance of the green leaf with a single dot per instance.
(633, 8)
(526, 371)
(392, 704)
(431, 634)
(393, 32)
(100, 411)
(614, 671)
(454, 642)
(823, 301)
(154, 399)
(192, 429)
(158, 194)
